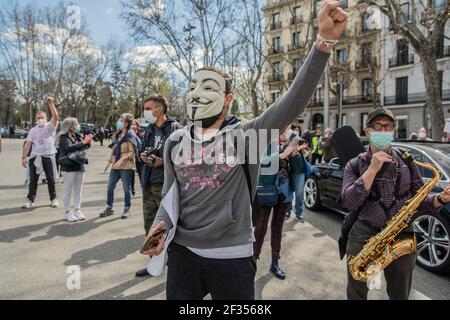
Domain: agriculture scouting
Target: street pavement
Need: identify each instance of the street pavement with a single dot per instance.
(39, 251)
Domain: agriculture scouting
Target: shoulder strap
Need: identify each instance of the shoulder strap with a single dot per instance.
(354, 163)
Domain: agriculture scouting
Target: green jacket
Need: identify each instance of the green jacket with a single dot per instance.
(316, 147)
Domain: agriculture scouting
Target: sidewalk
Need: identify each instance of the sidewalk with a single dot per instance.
(37, 247)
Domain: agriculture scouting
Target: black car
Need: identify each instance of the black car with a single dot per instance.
(323, 189)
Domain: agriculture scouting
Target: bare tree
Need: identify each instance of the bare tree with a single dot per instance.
(422, 24)
(204, 22)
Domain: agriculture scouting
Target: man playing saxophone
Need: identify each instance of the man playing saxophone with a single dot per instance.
(377, 185)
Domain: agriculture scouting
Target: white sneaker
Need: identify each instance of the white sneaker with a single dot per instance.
(55, 203)
(70, 217)
(79, 215)
(28, 204)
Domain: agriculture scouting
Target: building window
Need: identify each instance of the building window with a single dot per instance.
(276, 23)
(342, 55)
(364, 117)
(296, 39)
(296, 15)
(275, 96)
(401, 90)
(277, 44)
(277, 69)
(296, 65)
(405, 14)
(367, 89)
(367, 21)
(343, 4)
(402, 126)
(318, 96)
(366, 54)
(402, 51)
(437, 4)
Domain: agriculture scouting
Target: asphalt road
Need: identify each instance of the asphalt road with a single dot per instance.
(40, 253)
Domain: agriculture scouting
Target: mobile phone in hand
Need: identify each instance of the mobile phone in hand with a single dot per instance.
(152, 241)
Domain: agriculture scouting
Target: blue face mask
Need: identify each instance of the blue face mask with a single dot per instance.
(119, 125)
(78, 128)
(381, 140)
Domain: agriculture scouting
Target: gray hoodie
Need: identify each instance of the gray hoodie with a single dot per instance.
(215, 202)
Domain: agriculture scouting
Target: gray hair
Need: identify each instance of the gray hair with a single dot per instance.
(66, 125)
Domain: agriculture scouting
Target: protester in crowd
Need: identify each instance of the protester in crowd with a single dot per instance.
(70, 142)
(413, 136)
(264, 205)
(101, 136)
(299, 168)
(212, 251)
(123, 162)
(307, 136)
(327, 146)
(316, 148)
(39, 154)
(157, 132)
(422, 135)
(12, 132)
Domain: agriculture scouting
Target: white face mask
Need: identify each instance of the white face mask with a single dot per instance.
(422, 135)
(148, 115)
(40, 123)
(206, 97)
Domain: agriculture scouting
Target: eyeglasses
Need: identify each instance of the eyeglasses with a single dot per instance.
(379, 126)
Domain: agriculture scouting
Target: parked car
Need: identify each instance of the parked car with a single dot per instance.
(323, 189)
(21, 134)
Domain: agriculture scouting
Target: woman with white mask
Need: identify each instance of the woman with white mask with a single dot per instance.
(70, 141)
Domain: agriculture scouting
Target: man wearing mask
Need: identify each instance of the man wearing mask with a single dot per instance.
(39, 153)
(422, 135)
(382, 174)
(212, 248)
(152, 176)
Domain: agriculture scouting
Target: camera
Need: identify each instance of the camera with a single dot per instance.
(150, 161)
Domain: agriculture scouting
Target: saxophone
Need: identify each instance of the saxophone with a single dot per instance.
(382, 249)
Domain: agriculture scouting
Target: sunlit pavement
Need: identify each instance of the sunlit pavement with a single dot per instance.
(39, 251)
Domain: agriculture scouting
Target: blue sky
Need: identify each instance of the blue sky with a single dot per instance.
(101, 15)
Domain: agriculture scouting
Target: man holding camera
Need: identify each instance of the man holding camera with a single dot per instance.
(159, 129)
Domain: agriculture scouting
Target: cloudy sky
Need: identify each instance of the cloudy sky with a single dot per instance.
(101, 15)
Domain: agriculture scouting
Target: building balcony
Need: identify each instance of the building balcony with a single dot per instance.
(275, 26)
(401, 60)
(414, 98)
(275, 78)
(365, 64)
(295, 46)
(275, 50)
(296, 20)
(362, 99)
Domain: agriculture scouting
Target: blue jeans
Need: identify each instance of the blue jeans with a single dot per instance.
(299, 181)
(114, 177)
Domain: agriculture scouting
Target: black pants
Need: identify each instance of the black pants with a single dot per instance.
(191, 277)
(398, 274)
(48, 169)
(315, 157)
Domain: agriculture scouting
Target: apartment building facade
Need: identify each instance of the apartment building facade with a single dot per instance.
(370, 66)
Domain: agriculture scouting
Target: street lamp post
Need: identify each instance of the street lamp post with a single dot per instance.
(339, 76)
(189, 39)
